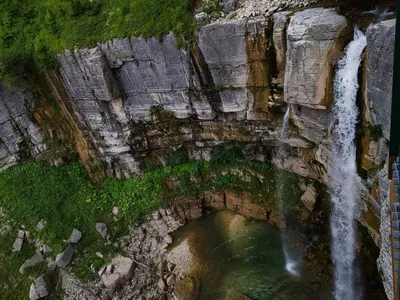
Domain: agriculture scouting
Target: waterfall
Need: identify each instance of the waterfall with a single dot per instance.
(343, 189)
(291, 263)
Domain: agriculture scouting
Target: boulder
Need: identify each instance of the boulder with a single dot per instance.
(202, 19)
(101, 228)
(30, 262)
(379, 75)
(118, 272)
(227, 6)
(64, 259)
(186, 289)
(316, 39)
(75, 236)
(39, 289)
(18, 243)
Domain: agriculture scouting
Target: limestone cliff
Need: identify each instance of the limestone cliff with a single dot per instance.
(131, 100)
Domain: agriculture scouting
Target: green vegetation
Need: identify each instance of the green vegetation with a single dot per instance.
(32, 32)
(375, 132)
(66, 198)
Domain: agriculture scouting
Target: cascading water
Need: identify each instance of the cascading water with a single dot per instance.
(291, 264)
(344, 193)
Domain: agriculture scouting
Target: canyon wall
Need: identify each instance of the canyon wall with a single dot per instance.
(133, 101)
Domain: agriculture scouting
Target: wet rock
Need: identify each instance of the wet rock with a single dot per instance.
(118, 272)
(30, 262)
(202, 19)
(317, 36)
(156, 215)
(75, 236)
(187, 288)
(64, 259)
(102, 229)
(39, 289)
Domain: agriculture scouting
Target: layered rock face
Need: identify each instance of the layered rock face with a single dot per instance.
(137, 100)
(137, 97)
(19, 136)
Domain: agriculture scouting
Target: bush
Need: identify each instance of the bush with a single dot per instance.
(33, 32)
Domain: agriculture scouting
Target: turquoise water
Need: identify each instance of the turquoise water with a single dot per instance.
(247, 259)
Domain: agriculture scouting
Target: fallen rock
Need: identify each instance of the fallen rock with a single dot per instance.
(187, 288)
(161, 285)
(39, 289)
(202, 19)
(40, 225)
(102, 229)
(64, 259)
(18, 243)
(171, 280)
(75, 236)
(30, 262)
(118, 272)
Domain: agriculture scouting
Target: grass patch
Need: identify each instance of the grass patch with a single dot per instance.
(32, 32)
(66, 198)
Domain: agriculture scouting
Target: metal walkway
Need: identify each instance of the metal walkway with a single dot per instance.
(395, 225)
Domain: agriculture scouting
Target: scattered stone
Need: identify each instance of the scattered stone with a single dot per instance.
(99, 255)
(115, 210)
(109, 269)
(40, 225)
(168, 239)
(45, 249)
(171, 280)
(102, 229)
(30, 262)
(202, 19)
(170, 266)
(64, 259)
(162, 266)
(118, 272)
(75, 236)
(227, 6)
(102, 270)
(156, 215)
(161, 285)
(39, 289)
(18, 243)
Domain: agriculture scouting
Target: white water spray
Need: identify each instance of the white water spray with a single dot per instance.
(344, 193)
(291, 264)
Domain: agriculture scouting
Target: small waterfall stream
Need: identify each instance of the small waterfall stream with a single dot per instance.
(291, 263)
(344, 193)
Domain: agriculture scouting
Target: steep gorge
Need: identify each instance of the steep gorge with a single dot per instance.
(130, 101)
